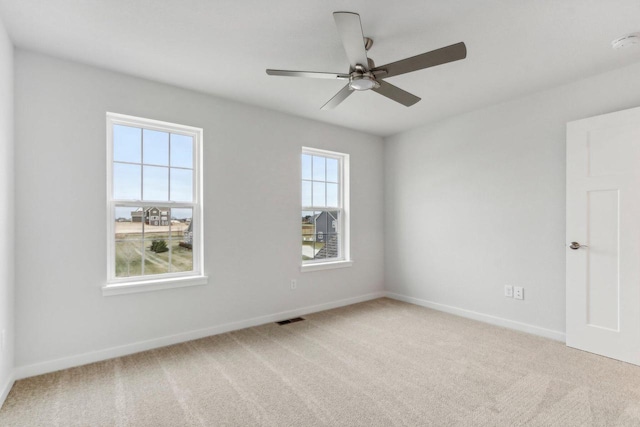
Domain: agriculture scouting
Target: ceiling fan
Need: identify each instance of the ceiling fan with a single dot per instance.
(363, 73)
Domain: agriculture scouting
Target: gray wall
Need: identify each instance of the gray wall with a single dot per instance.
(251, 178)
(6, 209)
(478, 202)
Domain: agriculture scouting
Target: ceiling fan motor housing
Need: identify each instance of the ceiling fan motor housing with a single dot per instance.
(361, 79)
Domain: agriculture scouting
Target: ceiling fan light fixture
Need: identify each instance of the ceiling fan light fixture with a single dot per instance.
(360, 82)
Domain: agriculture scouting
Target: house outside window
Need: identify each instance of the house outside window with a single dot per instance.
(325, 213)
(154, 191)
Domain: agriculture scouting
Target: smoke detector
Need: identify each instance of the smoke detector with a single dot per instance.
(626, 41)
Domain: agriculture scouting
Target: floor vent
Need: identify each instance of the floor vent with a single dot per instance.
(294, 320)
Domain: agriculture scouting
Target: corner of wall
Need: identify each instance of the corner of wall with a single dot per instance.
(6, 388)
(7, 215)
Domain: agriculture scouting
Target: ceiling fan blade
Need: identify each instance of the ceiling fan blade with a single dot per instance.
(396, 94)
(429, 59)
(311, 74)
(338, 98)
(350, 31)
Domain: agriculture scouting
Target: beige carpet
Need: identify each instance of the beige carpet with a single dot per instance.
(379, 363)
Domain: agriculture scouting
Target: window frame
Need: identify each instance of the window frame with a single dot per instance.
(344, 229)
(120, 285)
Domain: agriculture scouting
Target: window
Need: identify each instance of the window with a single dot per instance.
(325, 216)
(154, 205)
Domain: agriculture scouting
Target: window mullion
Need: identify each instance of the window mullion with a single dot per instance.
(170, 242)
(169, 174)
(142, 165)
(138, 203)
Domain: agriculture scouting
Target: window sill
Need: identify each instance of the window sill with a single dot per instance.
(152, 285)
(325, 266)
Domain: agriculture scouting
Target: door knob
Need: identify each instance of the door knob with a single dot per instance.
(576, 245)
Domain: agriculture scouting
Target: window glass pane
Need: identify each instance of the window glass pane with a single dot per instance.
(327, 243)
(183, 215)
(156, 256)
(155, 147)
(306, 193)
(156, 220)
(181, 240)
(331, 248)
(318, 194)
(332, 221)
(306, 166)
(319, 246)
(181, 185)
(157, 234)
(156, 183)
(123, 213)
(129, 258)
(126, 181)
(181, 151)
(321, 224)
(318, 168)
(332, 170)
(127, 144)
(332, 195)
(308, 232)
(181, 258)
(128, 223)
(318, 233)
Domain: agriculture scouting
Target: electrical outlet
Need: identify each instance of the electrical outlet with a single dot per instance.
(518, 292)
(294, 284)
(508, 291)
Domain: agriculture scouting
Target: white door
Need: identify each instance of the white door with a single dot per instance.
(603, 216)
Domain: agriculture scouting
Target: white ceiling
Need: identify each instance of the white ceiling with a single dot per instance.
(223, 47)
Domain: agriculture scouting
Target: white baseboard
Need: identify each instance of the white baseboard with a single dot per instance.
(6, 388)
(486, 318)
(109, 353)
